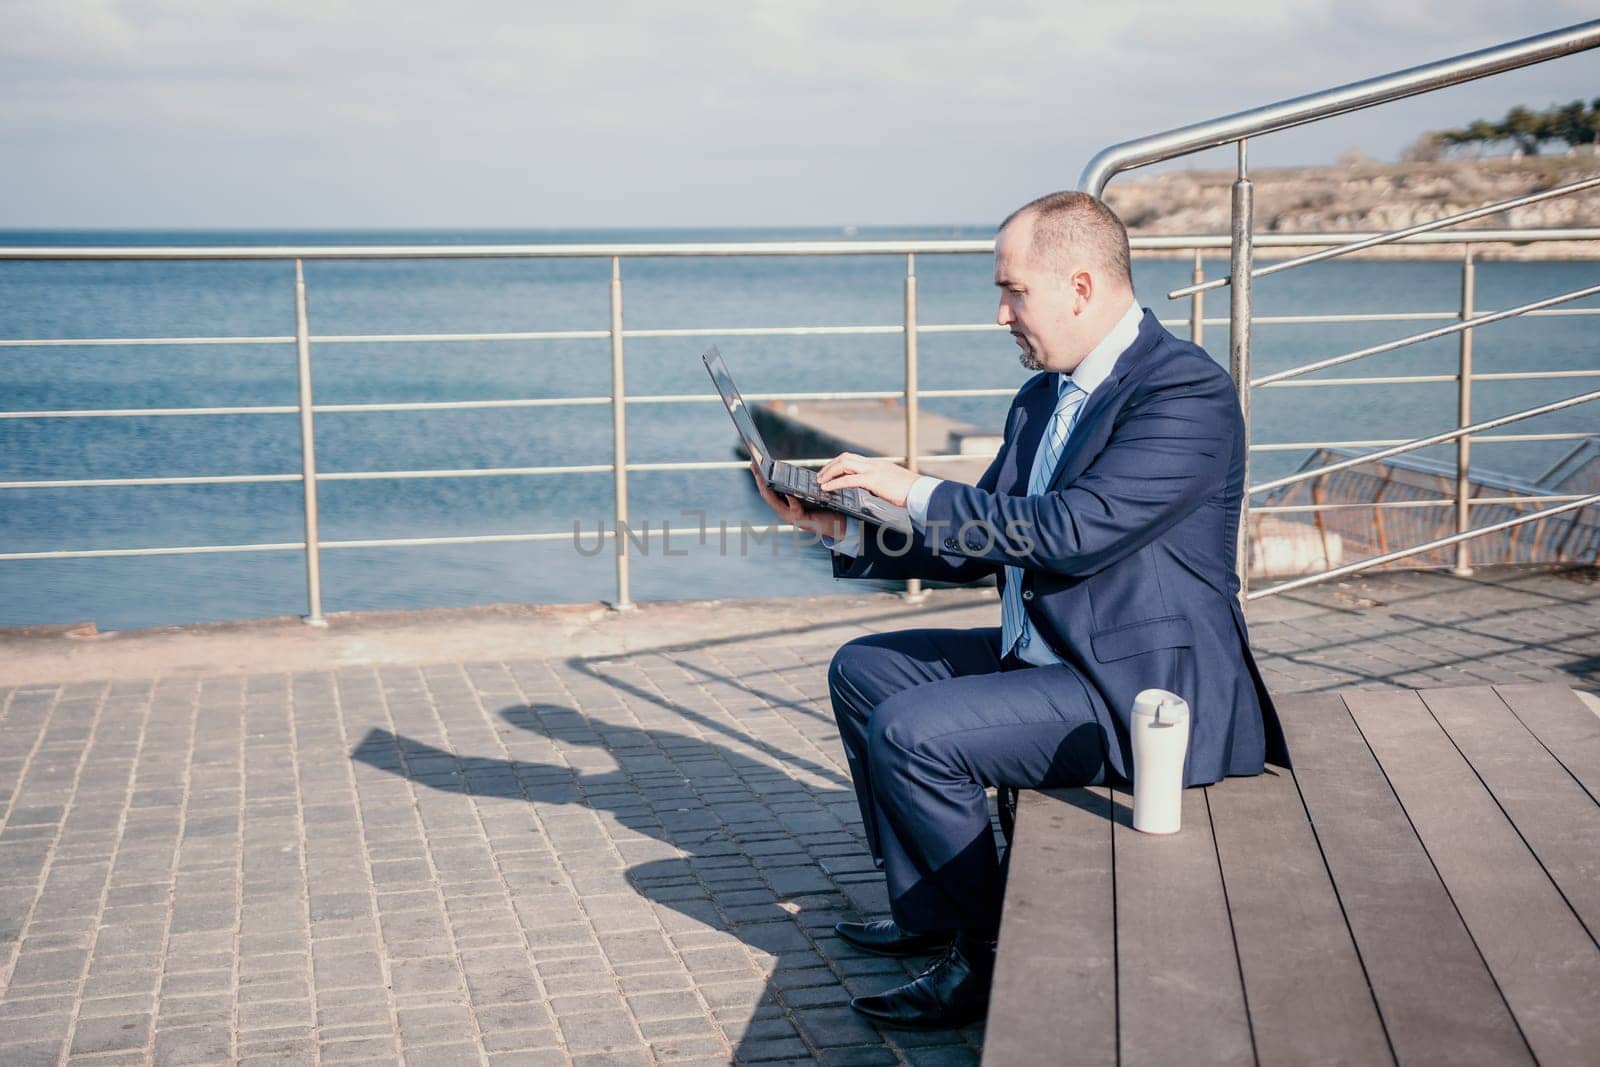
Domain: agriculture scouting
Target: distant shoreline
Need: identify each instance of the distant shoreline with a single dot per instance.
(1371, 198)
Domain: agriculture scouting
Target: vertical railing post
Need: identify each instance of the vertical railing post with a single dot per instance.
(1197, 301)
(619, 439)
(913, 585)
(1242, 255)
(1463, 565)
(308, 451)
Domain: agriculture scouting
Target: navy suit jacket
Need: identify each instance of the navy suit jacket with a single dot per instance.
(1128, 561)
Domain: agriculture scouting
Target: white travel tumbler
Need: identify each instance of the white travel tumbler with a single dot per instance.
(1160, 742)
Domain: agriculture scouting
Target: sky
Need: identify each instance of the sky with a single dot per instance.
(634, 113)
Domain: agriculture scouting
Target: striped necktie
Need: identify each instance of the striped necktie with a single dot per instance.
(1012, 616)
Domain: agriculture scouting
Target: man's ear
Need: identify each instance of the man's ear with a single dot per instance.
(1082, 283)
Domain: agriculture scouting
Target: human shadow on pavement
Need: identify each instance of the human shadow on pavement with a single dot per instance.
(725, 844)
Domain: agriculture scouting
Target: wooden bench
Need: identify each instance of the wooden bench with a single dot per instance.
(1423, 888)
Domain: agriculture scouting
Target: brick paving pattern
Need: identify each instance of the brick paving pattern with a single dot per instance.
(609, 859)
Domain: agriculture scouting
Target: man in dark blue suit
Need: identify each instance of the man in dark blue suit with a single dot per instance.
(1109, 519)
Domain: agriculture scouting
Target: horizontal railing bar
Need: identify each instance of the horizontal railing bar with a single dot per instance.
(101, 483)
(1425, 442)
(604, 468)
(505, 251)
(879, 394)
(815, 461)
(1500, 376)
(799, 395)
(1298, 446)
(1293, 240)
(1503, 438)
(462, 472)
(779, 528)
(1399, 379)
(1549, 312)
(134, 413)
(658, 398)
(712, 331)
(430, 338)
(1395, 235)
(464, 539)
(322, 476)
(1428, 546)
(1323, 320)
(717, 465)
(1490, 438)
(402, 542)
(1285, 509)
(96, 342)
(706, 398)
(1155, 243)
(1427, 335)
(965, 392)
(713, 398)
(1512, 376)
(465, 405)
(1146, 243)
(645, 534)
(765, 331)
(592, 468)
(386, 542)
(1382, 316)
(184, 550)
(641, 533)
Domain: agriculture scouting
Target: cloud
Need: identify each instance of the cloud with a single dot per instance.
(491, 112)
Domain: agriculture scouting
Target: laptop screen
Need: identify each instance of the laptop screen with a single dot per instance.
(736, 405)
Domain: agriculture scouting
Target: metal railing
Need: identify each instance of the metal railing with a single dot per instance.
(617, 400)
(1241, 244)
(910, 328)
(1238, 129)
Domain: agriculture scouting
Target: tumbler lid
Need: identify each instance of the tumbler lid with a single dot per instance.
(1161, 705)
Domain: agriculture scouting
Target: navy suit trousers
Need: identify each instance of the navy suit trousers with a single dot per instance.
(929, 720)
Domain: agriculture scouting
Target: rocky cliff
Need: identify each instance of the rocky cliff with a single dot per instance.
(1373, 198)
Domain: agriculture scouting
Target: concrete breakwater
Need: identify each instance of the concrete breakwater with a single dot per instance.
(822, 429)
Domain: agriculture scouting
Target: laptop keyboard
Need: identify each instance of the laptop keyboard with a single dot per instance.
(802, 482)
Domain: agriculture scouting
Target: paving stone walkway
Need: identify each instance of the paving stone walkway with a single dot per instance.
(587, 857)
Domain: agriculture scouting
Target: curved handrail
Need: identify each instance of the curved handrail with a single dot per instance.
(1184, 140)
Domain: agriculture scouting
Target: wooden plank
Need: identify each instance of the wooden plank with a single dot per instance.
(1055, 980)
(1556, 816)
(1563, 725)
(1179, 993)
(1543, 960)
(1308, 996)
(1437, 999)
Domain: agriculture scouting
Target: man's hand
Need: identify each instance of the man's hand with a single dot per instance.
(827, 523)
(884, 480)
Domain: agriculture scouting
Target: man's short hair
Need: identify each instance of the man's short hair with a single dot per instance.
(1072, 229)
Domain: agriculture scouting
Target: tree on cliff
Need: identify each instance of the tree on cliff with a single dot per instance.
(1576, 123)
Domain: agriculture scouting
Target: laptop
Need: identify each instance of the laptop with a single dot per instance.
(788, 479)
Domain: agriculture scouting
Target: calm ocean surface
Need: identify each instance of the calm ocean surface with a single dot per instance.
(63, 300)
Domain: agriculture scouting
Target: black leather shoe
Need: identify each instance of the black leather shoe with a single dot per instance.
(952, 992)
(884, 938)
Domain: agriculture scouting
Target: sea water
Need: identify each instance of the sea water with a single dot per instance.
(41, 300)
